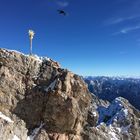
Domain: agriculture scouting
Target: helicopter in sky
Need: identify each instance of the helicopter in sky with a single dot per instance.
(62, 12)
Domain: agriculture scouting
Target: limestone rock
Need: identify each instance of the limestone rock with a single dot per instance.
(39, 100)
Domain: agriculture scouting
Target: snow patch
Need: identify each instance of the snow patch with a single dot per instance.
(113, 136)
(40, 59)
(35, 132)
(114, 112)
(109, 116)
(7, 50)
(124, 130)
(5, 118)
(113, 132)
(110, 132)
(51, 86)
(36, 57)
(15, 138)
(45, 58)
(94, 114)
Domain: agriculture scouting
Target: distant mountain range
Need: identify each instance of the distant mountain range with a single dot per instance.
(108, 88)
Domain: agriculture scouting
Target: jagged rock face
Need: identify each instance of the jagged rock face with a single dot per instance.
(39, 91)
(117, 121)
(41, 101)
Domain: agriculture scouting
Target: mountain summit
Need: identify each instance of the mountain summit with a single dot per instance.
(39, 100)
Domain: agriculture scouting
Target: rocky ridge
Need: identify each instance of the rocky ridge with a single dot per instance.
(39, 100)
(109, 88)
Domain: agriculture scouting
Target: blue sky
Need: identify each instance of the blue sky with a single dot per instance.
(97, 37)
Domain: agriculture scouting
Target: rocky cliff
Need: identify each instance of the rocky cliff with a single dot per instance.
(41, 101)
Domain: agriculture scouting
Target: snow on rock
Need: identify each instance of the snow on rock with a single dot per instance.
(7, 50)
(113, 135)
(37, 58)
(113, 118)
(5, 118)
(94, 114)
(15, 138)
(124, 130)
(51, 86)
(35, 132)
(40, 59)
(45, 58)
(113, 132)
(110, 132)
(113, 87)
(114, 112)
(34, 56)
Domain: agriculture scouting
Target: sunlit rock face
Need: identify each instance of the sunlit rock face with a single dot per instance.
(39, 100)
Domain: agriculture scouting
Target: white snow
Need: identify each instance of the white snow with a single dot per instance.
(118, 129)
(125, 112)
(36, 58)
(113, 136)
(115, 112)
(15, 138)
(94, 114)
(51, 86)
(40, 59)
(5, 118)
(7, 50)
(124, 130)
(92, 82)
(35, 132)
(44, 58)
(112, 133)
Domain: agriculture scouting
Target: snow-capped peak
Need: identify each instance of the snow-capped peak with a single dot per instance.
(114, 112)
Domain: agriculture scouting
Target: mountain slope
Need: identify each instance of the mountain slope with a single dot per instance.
(39, 100)
(108, 88)
(119, 120)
